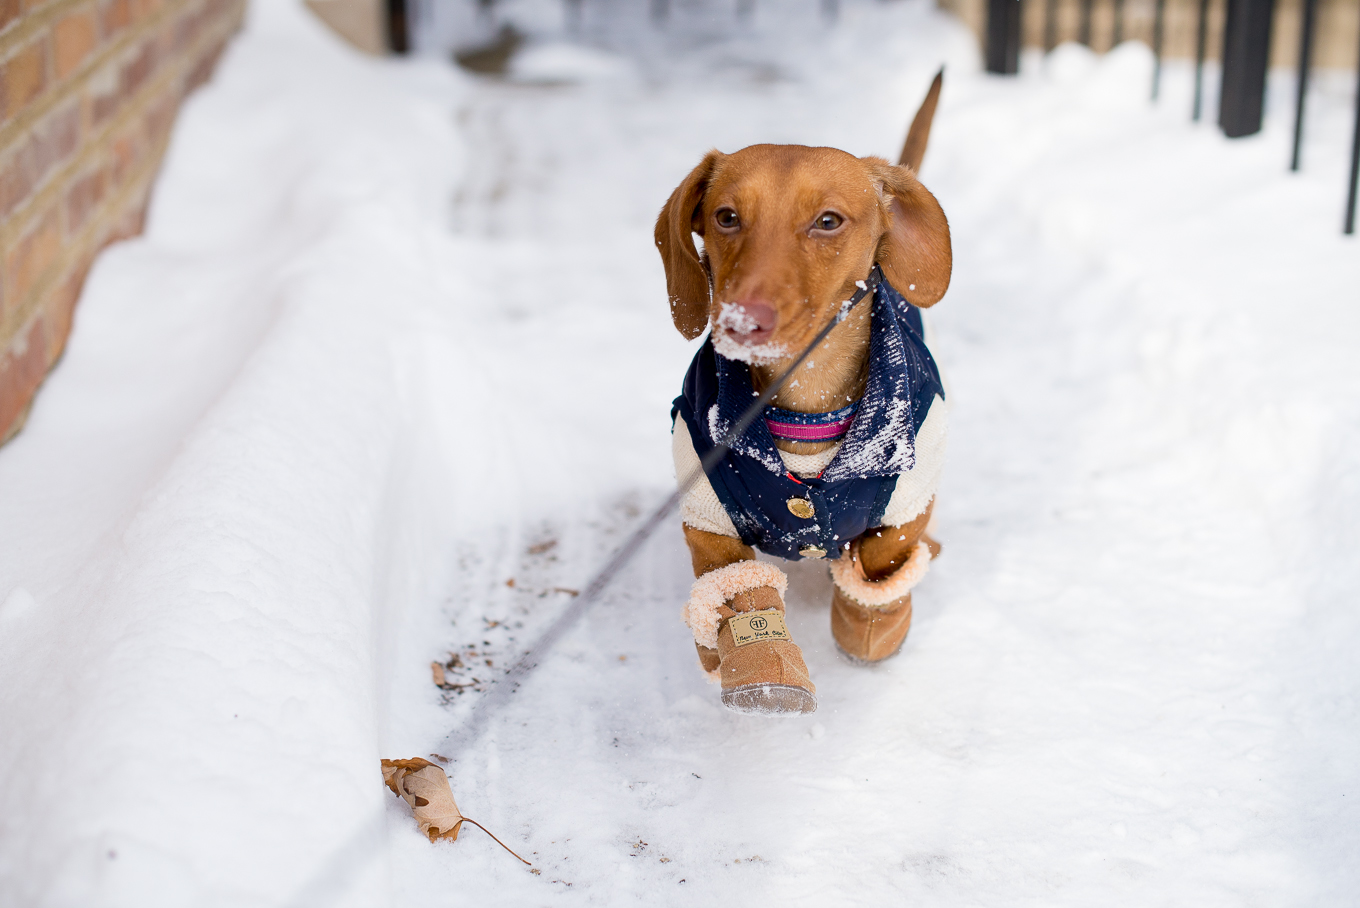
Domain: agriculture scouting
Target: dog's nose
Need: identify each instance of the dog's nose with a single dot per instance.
(749, 322)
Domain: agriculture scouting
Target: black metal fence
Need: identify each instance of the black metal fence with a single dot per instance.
(1245, 57)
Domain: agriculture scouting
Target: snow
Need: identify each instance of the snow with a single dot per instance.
(558, 61)
(395, 336)
(734, 319)
(758, 354)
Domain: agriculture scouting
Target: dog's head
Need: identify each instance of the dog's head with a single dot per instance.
(787, 231)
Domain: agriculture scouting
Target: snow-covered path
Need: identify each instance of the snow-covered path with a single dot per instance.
(435, 357)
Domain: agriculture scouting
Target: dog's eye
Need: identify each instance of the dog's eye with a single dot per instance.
(828, 220)
(727, 218)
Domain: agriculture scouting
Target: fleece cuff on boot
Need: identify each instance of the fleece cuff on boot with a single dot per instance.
(716, 588)
(848, 575)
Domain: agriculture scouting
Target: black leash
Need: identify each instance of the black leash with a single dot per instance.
(333, 876)
(461, 737)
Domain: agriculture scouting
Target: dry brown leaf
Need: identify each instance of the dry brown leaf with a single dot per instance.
(425, 787)
(437, 671)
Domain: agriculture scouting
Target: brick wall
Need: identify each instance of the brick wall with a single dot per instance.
(88, 93)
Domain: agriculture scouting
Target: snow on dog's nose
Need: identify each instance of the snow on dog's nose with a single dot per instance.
(744, 330)
(749, 323)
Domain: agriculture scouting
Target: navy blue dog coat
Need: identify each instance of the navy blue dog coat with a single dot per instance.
(793, 518)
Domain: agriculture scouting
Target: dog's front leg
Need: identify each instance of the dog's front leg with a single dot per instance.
(709, 552)
(871, 603)
(736, 611)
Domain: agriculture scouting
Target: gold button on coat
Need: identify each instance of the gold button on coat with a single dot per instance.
(812, 551)
(801, 507)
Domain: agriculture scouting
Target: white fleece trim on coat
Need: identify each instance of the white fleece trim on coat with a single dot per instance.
(916, 487)
(805, 465)
(700, 507)
(848, 575)
(716, 588)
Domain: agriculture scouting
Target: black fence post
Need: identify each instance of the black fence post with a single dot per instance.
(1201, 42)
(1050, 24)
(1246, 51)
(1355, 159)
(831, 10)
(1118, 37)
(1305, 63)
(661, 10)
(1085, 34)
(745, 10)
(1158, 31)
(1003, 36)
(398, 28)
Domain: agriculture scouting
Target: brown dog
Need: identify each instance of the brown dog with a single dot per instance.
(789, 232)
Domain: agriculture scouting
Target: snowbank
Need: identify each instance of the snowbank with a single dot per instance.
(203, 534)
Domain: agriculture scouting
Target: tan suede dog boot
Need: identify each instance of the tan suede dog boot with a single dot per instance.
(737, 615)
(870, 617)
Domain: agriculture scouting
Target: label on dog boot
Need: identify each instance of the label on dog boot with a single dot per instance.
(752, 627)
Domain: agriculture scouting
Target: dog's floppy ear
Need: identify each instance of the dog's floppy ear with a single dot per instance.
(915, 253)
(687, 282)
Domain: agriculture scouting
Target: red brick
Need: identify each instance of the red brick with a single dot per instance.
(220, 8)
(131, 222)
(23, 365)
(9, 11)
(61, 134)
(125, 150)
(23, 78)
(128, 222)
(73, 38)
(109, 93)
(16, 180)
(187, 28)
(103, 101)
(51, 143)
(31, 257)
(160, 117)
(137, 70)
(143, 9)
(114, 16)
(83, 198)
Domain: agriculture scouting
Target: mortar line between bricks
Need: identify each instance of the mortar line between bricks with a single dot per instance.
(62, 89)
(17, 317)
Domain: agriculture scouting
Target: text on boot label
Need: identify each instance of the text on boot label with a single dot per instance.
(752, 627)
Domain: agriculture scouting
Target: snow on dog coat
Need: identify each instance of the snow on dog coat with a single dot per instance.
(772, 509)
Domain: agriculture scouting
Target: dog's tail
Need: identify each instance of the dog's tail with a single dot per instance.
(914, 149)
